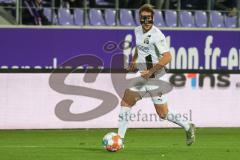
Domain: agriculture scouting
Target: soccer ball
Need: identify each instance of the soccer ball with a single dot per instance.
(112, 142)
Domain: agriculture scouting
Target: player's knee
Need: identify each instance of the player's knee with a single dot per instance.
(130, 98)
(162, 115)
(124, 104)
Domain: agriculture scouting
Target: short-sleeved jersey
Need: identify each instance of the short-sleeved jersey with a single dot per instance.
(151, 45)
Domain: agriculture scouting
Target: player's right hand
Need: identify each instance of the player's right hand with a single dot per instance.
(132, 67)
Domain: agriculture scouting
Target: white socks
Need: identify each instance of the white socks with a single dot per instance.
(124, 117)
(175, 118)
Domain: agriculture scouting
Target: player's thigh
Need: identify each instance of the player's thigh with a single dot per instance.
(156, 93)
(132, 95)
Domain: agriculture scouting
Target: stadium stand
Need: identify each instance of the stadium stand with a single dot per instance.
(96, 17)
(186, 19)
(171, 18)
(200, 19)
(158, 19)
(104, 13)
(216, 19)
(230, 22)
(126, 18)
(48, 13)
(78, 16)
(7, 1)
(65, 17)
(110, 16)
(136, 17)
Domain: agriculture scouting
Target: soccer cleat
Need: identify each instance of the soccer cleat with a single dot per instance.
(190, 135)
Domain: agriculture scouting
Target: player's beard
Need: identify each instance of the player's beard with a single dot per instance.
(147, 27)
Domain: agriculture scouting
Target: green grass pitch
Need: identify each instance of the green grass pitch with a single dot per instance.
(140, 144)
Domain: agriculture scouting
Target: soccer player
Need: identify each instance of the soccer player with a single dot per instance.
(153, 51)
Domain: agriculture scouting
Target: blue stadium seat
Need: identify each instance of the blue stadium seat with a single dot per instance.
(110, 17)
(158, 19)
(96, 17)
(136, 17)
(65, 17)
(186, 19)
(126, 18)
(78, 16)
(200, 19)
(171, 18)
(230, 22)
(216, 19)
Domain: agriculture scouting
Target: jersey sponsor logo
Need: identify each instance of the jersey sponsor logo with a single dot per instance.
(146, 40)
(142, 48)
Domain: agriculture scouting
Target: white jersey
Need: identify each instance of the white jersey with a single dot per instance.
(151, 44)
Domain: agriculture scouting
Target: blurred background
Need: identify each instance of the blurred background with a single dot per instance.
(41, 37)
(62, 66)
(169, 13)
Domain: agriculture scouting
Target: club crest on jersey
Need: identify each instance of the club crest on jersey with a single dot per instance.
(146, 40)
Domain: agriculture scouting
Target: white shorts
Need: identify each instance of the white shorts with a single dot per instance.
(145, 88)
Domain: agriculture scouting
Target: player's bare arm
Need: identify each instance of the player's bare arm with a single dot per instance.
(165, 59)
(132, 65)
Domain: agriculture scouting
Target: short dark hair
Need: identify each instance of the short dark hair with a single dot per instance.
(147, 8)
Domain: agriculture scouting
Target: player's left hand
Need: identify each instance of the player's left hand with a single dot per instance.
(145, 74)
